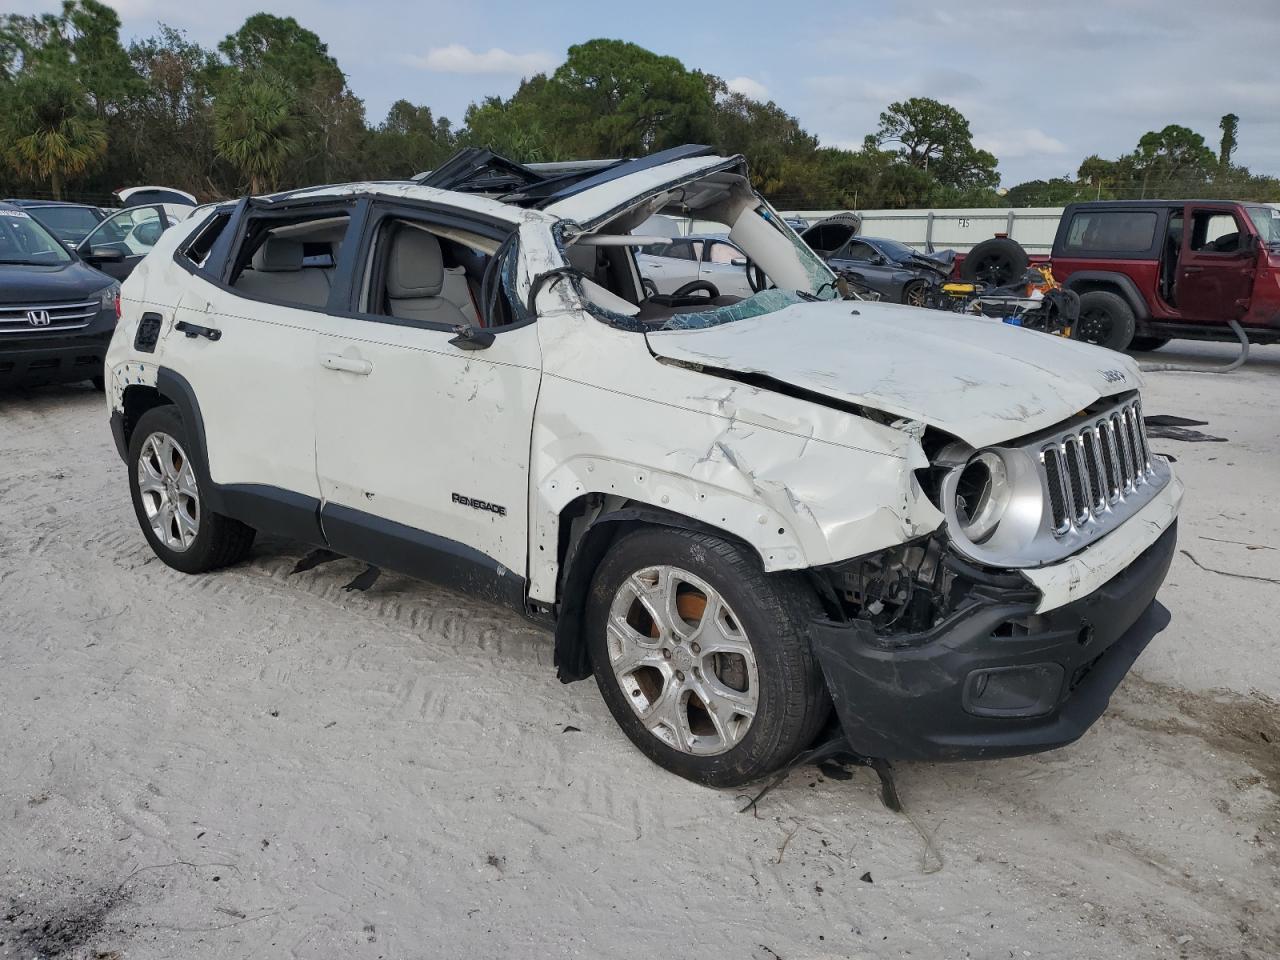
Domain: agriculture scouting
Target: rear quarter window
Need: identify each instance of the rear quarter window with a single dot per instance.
(1111, 231)
(195, 250)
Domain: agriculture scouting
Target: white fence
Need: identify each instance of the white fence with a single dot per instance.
(957, 229)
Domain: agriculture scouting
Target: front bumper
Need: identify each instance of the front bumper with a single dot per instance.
(28, 361)
(995, 679)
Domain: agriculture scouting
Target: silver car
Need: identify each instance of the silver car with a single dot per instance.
(666, 268)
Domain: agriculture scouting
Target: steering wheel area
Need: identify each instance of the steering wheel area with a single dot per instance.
(687, 295)
(694, 286)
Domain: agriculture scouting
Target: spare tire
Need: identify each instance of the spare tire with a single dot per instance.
(996, 262)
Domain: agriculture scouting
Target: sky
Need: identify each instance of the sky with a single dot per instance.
(1043, 85)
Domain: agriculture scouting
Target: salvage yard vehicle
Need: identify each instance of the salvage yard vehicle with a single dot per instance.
(683, 264)
(890, 268)
(56, 312)
(736, 513)
(118, 243)
(1149, 271)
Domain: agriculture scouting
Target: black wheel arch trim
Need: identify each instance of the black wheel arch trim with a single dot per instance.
(1123, 283)
(571, 659)
(175, 388)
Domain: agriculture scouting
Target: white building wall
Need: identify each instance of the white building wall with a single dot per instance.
(958, 228)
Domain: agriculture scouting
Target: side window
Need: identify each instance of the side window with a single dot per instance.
(1214, 231)
(196, 250)
(857, 250)
(421, 272)
(1111, 231)
(682, 250)
(290, 260)
(723, 253)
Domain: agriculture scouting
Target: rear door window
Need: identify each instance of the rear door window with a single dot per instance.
(857, 250)
(1111, 231)
(723, 253)
(290, 260)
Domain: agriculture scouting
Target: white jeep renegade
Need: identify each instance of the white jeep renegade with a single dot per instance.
(736, 513)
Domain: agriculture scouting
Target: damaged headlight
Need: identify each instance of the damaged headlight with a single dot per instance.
(992, 498)
(982, 495)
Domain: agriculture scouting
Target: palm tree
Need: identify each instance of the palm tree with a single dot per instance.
(48, 130)
(255, 130)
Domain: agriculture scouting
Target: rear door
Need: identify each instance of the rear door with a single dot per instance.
(1217, 266)
(245, 338)
(861, 258)
(670, 266)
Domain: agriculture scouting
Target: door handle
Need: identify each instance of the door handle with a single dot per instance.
(1192, 269)
(335, 361)
(193, 330)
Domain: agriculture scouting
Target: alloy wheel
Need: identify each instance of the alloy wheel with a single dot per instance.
(170, 495)
(683, 661)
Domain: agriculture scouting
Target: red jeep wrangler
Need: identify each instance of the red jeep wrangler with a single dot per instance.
(1149, 271)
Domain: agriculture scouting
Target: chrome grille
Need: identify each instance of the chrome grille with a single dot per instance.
(1097, 465)
(38, 318)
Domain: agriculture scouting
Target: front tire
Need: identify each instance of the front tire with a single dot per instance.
(702, 658)
(168, 501)
(1105, 319)
(915, 293)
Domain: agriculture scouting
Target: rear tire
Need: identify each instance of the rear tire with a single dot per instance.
(1105, 319)
(666, 612)
(997, 262)
(168, 501)
(1148, 343)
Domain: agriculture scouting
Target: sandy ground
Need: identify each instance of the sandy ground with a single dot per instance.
(256, 764)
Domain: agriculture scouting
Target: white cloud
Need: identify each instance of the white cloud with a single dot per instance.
(1027, 141)
(456, 58)
(752, 89)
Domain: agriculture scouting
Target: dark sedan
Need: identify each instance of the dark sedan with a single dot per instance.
(892, 269)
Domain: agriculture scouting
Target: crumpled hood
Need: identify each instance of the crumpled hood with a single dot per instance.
(981, 380)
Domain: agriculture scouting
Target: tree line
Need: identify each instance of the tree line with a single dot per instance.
(82, 113)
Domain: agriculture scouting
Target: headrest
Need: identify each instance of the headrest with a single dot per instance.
(278, 255)
(416, 268)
